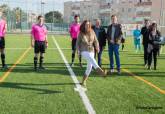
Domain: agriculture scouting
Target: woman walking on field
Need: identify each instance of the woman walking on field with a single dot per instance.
(86, 43)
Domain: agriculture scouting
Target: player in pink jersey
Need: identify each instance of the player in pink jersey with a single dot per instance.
(39, 41)
(3, 27)
(74, 32)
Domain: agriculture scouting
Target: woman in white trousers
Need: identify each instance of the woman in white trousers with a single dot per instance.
(86, 43)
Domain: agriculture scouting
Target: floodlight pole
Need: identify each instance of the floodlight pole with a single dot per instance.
(42, 8)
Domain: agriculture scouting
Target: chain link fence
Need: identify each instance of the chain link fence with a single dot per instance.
(21, 15)
(162, 30)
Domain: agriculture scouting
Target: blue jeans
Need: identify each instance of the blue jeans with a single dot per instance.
(114, 49)
(99, 56)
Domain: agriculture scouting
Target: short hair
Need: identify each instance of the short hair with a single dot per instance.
(3, 15)
(146, 20)
(40, 16)
(76, 16)
(153, 25)
(98, 19)
(113, 16)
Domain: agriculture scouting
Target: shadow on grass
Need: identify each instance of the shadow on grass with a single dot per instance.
(28, 86)
(161, 57)
(132, 64)
(60, 69)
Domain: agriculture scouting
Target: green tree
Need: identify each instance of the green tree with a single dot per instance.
(53, 17)
(5, 9)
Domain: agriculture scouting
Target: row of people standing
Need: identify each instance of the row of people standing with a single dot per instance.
(91, 41)
(150, 34)
(114, 37)
(38, 41)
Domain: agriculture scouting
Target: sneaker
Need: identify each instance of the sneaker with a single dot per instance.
(149, 68)
(145, 65)
(35, 69)
(110, 72)
(119, 72)
(5, 67)
(105, 72)
(72, 64)
(81, 66)
(42, 68)
(155, 68)
(84, 84)
(101, 72)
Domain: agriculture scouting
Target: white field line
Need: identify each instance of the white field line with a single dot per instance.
(81, 91)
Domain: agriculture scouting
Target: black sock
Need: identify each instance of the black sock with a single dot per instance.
(41, 60)
(73, 56)
(35, 62)
(3, 59)
(122, 47)
(80, 59)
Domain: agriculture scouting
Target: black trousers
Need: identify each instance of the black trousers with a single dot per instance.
(74, 44)
(153, 55)
(145, 53)
(2, 42)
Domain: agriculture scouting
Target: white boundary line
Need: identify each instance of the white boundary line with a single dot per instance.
(81, 91)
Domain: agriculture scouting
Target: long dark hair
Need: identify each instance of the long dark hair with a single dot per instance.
(152, 26)
(83, 29)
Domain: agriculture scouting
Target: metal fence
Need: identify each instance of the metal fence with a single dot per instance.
(162, 30)
(20, 16)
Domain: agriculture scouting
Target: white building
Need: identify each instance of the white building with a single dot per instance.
(87, 9)
(128, 11)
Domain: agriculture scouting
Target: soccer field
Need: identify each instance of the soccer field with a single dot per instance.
(52, 91)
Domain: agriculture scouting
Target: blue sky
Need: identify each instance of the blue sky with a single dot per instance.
(35, 5)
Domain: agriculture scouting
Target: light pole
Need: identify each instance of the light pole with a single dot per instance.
(161, 13)
(53, 10)
(27, 15)
(42, 7)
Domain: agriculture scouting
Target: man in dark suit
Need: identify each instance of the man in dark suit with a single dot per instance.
(114, 35)
(101, 36)
(145, 34)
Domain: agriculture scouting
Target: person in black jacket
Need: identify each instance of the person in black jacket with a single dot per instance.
(101, 36)
(114, 35)
(145, 32)
(153, 46)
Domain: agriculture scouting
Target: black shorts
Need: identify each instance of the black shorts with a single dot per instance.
(74, 44)
(39, 47)
(2, 42)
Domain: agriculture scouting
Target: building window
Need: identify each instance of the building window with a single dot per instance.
(122, 9)
(129, 9)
